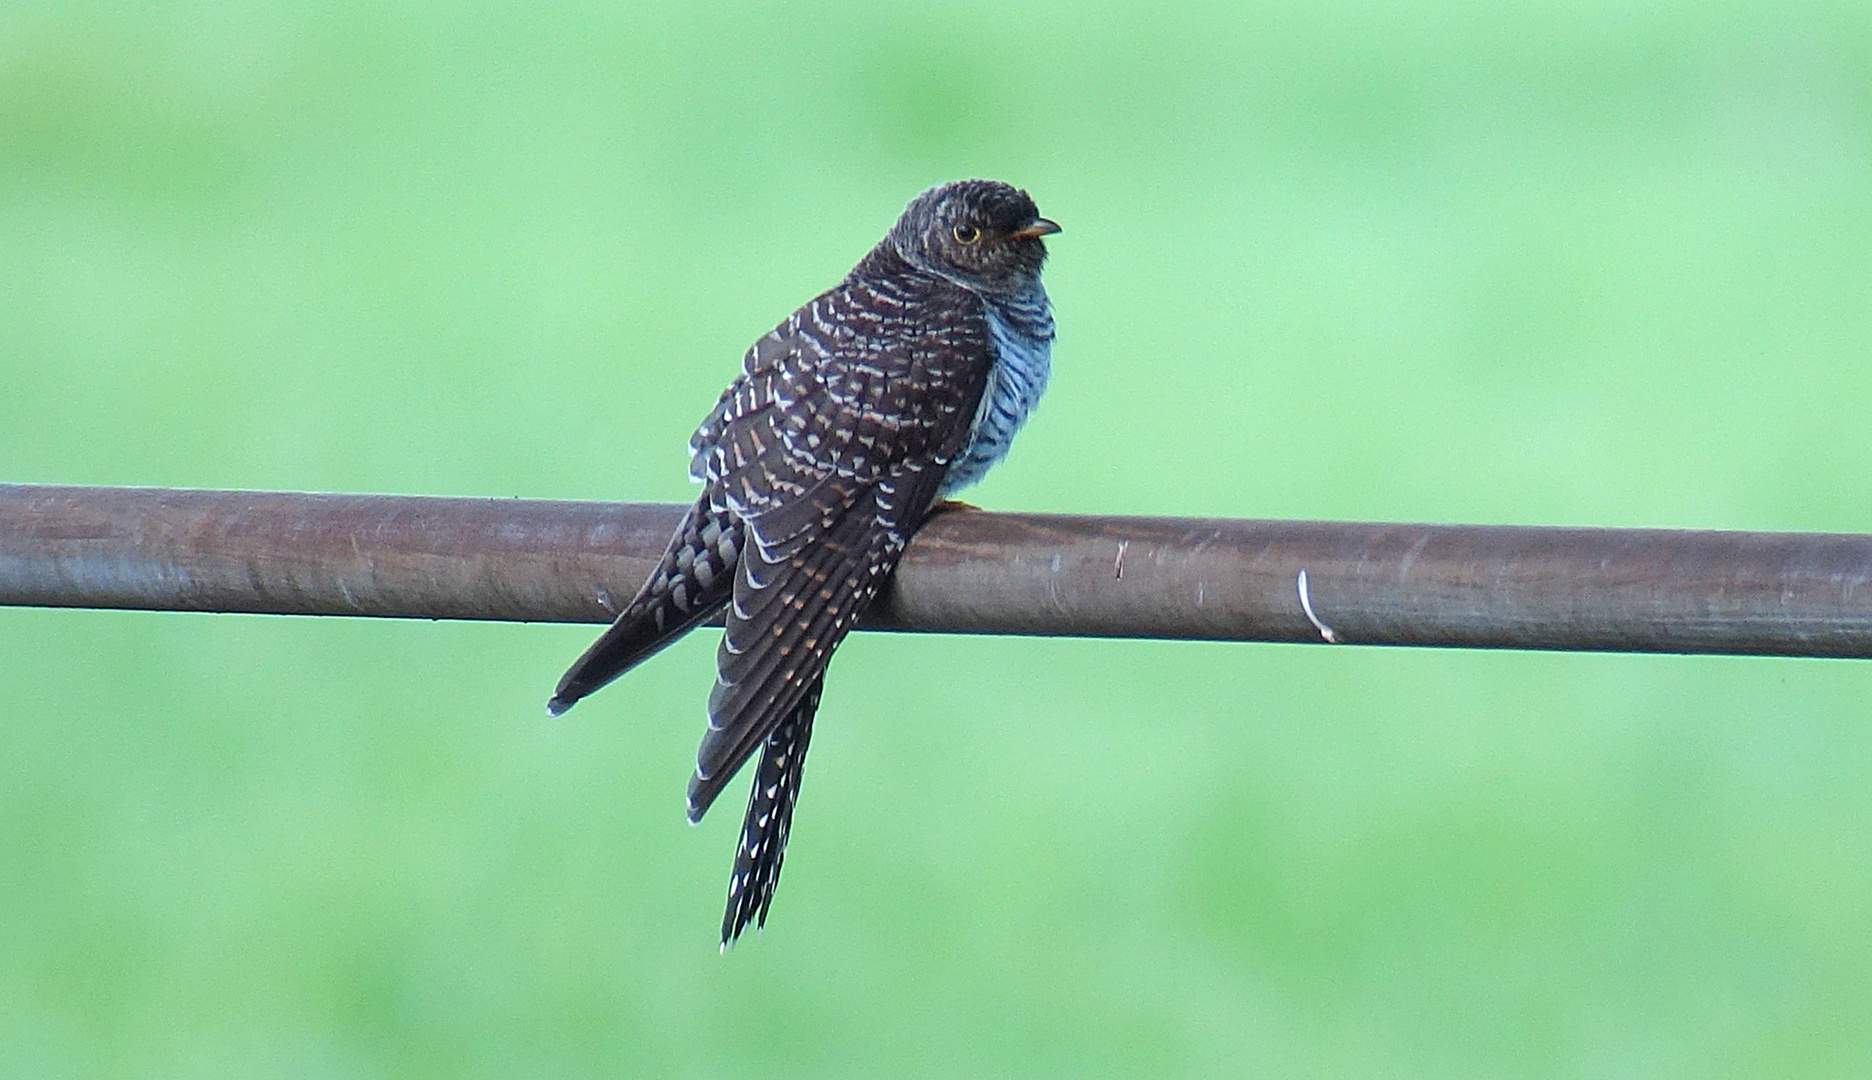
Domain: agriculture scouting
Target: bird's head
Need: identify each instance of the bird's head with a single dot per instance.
(981, 234)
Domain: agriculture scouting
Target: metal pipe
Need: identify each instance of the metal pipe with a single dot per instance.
(1469, 586)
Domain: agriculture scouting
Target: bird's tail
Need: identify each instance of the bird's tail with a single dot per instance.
(769, 817)
(691, 583)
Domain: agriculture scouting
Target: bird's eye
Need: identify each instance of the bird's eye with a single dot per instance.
(967, 234)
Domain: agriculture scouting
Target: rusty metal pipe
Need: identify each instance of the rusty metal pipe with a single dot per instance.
(1469, 586)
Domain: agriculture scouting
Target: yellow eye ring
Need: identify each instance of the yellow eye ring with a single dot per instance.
(966, 234)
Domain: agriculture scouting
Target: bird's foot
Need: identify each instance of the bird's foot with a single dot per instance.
(944, 506)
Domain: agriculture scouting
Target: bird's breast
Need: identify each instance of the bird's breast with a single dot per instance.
(1022, 340)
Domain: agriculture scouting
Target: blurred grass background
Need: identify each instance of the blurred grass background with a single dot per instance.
(1548, 263)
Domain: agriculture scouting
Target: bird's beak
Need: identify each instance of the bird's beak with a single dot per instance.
(1040, 227)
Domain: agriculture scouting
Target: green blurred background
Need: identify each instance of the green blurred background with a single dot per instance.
(1569, 262)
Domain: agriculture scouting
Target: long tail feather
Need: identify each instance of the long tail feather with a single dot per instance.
(769, 818)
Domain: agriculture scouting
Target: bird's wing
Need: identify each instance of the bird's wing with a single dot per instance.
(830, 450)
(692, 582)
(695, 577)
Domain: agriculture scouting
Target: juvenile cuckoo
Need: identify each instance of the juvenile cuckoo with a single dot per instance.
(901, 384)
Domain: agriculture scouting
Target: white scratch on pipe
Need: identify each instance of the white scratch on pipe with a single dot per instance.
(1118, 563)
(1306, 605)
(1411, 556)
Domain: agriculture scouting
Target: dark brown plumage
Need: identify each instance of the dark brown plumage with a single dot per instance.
(818, 463)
